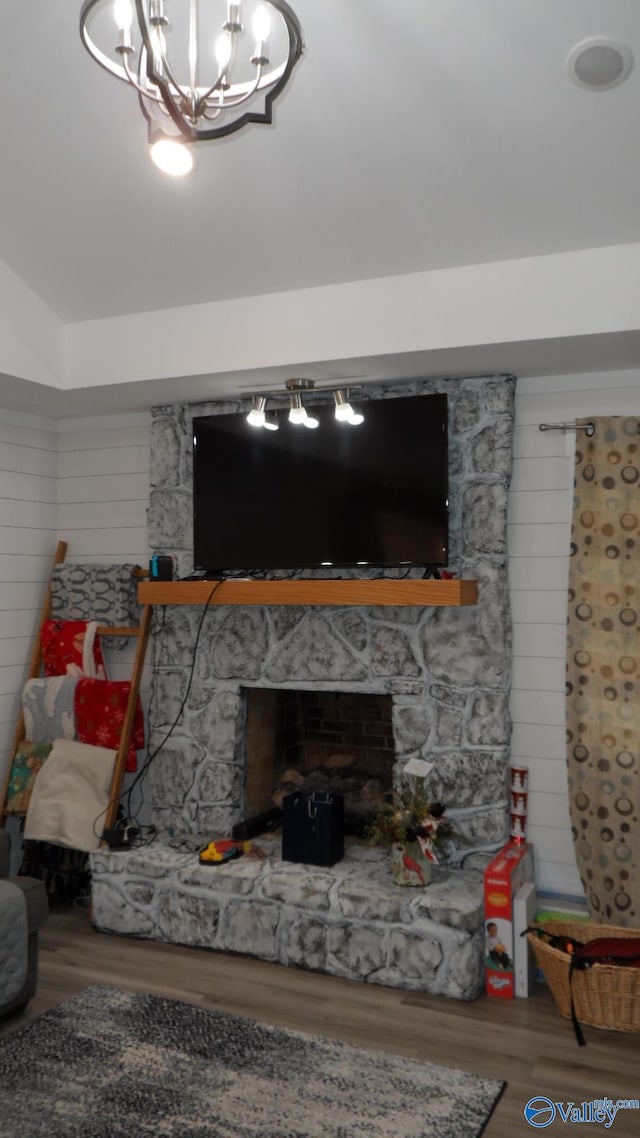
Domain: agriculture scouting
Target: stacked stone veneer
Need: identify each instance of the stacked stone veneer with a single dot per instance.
(349, 920)
(447, 669)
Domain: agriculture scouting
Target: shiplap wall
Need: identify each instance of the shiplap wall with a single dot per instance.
(28, 457)
(102, 495)
(83, 481)
(539, 537)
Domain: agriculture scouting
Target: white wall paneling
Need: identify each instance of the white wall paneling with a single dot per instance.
(27, 527)
(102, 495)
(539, 525)
(84, 481)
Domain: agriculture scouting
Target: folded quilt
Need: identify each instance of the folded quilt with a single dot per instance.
(27, 763)
(48, 706)
(106, 593)
(71, 796)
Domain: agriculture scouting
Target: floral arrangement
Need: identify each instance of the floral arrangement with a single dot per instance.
(410, 817)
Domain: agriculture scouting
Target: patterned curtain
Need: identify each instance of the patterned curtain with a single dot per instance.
(603, 665)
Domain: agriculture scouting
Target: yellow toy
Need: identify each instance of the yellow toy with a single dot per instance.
(224, 849)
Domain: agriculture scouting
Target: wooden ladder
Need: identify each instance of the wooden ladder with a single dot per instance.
(141, 631)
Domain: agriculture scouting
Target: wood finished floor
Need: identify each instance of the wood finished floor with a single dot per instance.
(525, 1042)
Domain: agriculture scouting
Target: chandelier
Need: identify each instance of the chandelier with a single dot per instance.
(202, 68)
(298, 414)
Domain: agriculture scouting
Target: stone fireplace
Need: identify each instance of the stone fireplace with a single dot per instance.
(445, 670)
(444, 674)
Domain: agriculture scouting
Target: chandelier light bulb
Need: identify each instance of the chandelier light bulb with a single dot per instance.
(261, 24)
(310, 422)
(172, 157)
(355, 419)
(223, 51)
(271, 423)
(123, 14)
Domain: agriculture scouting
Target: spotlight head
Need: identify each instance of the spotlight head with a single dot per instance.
(343, 408)
(256, 416)
(344, 412)
(297, 413)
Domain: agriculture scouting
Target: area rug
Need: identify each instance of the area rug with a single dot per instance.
(113, 1064)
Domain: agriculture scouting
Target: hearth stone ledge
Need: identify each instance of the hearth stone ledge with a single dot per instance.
(349, 920)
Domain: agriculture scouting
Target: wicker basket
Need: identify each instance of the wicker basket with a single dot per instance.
(605, 995)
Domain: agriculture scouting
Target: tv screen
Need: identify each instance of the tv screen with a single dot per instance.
(340, 495)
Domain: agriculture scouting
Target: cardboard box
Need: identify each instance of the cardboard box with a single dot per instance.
(511, 868)
(524, 916)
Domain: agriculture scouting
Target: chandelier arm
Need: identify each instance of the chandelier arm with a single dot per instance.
(161, 86)
(146, 92)
(217, 85)
(184, 93)
(239, 99)
(211, 114)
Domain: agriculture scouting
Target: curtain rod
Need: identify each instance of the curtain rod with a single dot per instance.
(590, 428)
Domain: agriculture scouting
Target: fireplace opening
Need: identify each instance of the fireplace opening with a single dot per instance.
(316, 740)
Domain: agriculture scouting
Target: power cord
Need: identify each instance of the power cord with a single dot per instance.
(152, 755)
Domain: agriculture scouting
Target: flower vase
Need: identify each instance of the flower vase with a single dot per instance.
(409, 865)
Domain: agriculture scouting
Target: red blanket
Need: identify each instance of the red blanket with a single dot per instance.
(100, 708)
(70, 648)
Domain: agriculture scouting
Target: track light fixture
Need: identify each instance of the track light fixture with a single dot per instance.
(298, 414)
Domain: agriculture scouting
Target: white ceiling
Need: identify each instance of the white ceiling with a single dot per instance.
(414, 135)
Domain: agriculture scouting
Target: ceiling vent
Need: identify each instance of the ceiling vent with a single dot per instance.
(599, 63)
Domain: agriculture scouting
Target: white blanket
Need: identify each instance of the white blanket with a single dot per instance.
(70, 796)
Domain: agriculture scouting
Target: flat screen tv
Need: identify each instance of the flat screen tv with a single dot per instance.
(339, 496)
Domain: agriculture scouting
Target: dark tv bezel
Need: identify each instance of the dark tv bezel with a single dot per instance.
(287, 564)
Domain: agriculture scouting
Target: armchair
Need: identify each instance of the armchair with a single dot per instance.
(12, 945)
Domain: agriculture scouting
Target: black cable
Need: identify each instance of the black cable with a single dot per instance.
(150, 757)
(155, 640)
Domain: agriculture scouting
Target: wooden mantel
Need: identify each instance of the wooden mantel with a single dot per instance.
(308, 591)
